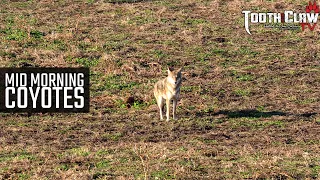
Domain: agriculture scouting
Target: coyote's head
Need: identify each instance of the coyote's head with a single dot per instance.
(174, 76)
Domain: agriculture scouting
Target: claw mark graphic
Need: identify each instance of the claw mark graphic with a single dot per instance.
(313, 7)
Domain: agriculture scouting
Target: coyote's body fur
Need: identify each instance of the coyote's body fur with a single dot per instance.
(168, 89)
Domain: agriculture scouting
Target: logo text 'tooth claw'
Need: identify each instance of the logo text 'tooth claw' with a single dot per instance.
(289, 17)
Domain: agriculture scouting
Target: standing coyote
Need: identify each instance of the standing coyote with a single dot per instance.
(167, 89)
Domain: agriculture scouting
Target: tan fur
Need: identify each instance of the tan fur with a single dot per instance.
(168, 89)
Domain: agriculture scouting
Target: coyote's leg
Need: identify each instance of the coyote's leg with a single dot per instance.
(168, 108)
(174, 108)
(160, 105)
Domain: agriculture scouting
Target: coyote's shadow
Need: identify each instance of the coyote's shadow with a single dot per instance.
(251, 113)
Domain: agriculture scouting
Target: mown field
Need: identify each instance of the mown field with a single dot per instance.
(249, 105)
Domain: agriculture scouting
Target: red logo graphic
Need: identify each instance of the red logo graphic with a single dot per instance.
(311, 7)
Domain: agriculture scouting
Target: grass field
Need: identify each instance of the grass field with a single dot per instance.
(249, 105)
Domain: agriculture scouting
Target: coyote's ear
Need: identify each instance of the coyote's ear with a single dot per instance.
(170, 69)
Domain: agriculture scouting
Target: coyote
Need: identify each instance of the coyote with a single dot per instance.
(167, 89)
